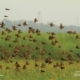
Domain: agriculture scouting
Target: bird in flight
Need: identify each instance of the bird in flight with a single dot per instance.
(51, 24)
(5, 16)
(7, 9)
(35, 20)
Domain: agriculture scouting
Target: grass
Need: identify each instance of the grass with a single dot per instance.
(67, 42)
(32, 73)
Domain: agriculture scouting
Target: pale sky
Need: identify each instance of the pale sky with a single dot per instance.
(57, 11)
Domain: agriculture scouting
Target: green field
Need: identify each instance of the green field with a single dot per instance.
(67, 42)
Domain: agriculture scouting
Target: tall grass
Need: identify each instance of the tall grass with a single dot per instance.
(67, 42)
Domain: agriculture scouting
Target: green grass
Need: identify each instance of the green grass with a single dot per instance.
(67, 42)
(32, 73)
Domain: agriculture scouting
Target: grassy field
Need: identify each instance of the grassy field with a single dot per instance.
(67, 42)
(32, 73)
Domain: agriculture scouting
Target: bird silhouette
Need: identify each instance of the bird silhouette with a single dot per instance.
(7, 9)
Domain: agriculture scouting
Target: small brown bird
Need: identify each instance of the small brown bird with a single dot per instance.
(17, 35)
(71, 50)
(43, 65)
(17, 64)
(74, 32)
(52, 33)
(2, 25)
(7, 38)
(9, 31)
(59, 46)
(19, 24)
(43, 43)
(51, 24)
(77, 47)
(56, 65)
(14, 28)
(36, 65)
(69, 32)
(19, 31)
(5, 16)
(27, 63)
(0, 66)
(42, 71)
(53, 43)
(56, 41)
(61, 26)
(3, 33)
(24, 38)
(24, 67)
(62, 67)
(77, 37)
(49, 53)
(7, 9)
(34, 40)
(10, 45)
(35, 20)
(7, 67)
(51, 37)
(16, 40)
(25, 24)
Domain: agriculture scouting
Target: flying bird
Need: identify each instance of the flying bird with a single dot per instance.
(7, 9)
(51, 24)
(5, 16)
(35, 20)
(61, 26)
(25, 24)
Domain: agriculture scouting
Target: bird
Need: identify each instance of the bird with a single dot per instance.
(5, 16)
(14, 28)
(62, 67)
(2, 25)
(61, 26)
(51, 24)
(7, 9)
(19, 24)
(25, 24)
(35, 20)
(42, 71)
(36, 65)
(77, 37)
(63, 59)
(24, 67)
